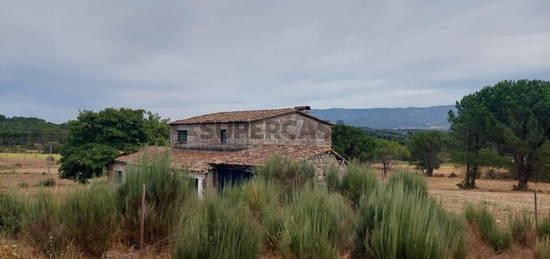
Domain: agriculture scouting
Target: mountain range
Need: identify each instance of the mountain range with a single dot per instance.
(434, 117)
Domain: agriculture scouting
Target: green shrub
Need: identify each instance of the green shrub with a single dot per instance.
(398, 221)
(521, 226)
(218, 229)
(50, 182)
(167, 192)
(412, 182)
(12, 209)
(23, 185)
(89, 219)
(359, 180)
(318, 226)
(485, 224)
(288, 174)
(542, 249)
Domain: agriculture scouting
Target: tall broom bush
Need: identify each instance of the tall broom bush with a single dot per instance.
(166, 195)
(219, 228)
(89, 219)
(411, 182)
(318, 225)
(398, 221)
(264, 199)
(289, 175)
(359, 180)
(12, 210)
(42, 227)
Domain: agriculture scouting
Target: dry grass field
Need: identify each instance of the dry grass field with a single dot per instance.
(497, 195)
(21, 173)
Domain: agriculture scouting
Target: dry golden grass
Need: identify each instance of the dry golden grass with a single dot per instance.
(28, 156)
(496, 194)
(20, 172)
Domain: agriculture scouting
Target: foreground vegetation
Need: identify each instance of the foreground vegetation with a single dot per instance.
(281, 212)
(295, 218)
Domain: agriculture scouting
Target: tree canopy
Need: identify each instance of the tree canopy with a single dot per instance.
(96, 138)
(426, 150)
(513, 118)
(352, 143)
(29, 132)
(387, 152)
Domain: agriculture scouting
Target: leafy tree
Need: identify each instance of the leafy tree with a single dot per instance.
(353, 143)
(468, 139)
(96, 138)
(386, 152)
(426, 150)
(86, 161)
(513, 117)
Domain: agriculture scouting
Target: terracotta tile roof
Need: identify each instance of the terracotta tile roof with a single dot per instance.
(194, 160)
(202, 160)
(243, 116)
(259, 155)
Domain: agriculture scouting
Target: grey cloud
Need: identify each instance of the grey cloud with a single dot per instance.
(182, 58)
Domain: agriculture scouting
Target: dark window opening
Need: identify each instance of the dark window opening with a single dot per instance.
(118, 176)
(231, 175)
(182, 136)
(223, 136)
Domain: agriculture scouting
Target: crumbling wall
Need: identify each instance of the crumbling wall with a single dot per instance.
(323, 162)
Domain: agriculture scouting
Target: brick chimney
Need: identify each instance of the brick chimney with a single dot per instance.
(302, 108)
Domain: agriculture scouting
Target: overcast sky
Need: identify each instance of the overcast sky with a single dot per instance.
(183, 58)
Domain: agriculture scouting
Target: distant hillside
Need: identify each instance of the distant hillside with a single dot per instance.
(434, 117)
(29, 133)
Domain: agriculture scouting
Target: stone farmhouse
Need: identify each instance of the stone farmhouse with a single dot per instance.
(221, 148)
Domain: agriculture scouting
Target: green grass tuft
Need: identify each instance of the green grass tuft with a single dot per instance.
(500, 240)
(542, 249)
(521, 226)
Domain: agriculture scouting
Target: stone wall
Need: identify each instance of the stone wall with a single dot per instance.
(288, 129)
(207, 136)
(204, 180)
(323, 162)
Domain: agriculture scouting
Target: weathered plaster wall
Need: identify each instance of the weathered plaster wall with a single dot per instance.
(112, 168)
